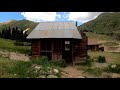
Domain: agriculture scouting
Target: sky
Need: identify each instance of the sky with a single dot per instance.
(80, 17)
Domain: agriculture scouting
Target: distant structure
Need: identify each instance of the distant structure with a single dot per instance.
(94, 46)
(59, 40)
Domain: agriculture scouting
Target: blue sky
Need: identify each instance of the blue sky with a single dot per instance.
(81, 17)
(5, 16)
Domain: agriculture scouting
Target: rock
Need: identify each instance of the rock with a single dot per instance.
(52, 76)
(49, 72)
(63, 73)
(113, 66)
(81, 77)
(55, 71)
(42, 76)
(37, 67)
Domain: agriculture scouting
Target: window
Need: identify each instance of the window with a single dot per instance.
(67, 45)
(46, 45)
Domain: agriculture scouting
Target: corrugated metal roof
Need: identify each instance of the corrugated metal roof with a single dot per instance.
(55, 30)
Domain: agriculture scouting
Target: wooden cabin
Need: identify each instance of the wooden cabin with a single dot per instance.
(59, 40)
(93, 45)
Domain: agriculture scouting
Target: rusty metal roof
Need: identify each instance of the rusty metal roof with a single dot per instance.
(55, 30)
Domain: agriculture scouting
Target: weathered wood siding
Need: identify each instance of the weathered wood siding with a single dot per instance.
(35, 48)
(80, 52)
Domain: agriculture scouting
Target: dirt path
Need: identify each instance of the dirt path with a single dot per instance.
(71, 72)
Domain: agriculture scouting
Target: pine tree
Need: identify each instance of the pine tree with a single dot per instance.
(13, 33)
(16, 33)
(9, 33)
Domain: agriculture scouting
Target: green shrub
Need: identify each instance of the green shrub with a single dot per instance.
(20, 69)
(113, 68)
(18, 43)
(101, 59)
(94, 71)
(60, 63)
(43, 60)
(88, 61)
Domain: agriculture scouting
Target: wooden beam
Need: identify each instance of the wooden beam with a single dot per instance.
(52, 48)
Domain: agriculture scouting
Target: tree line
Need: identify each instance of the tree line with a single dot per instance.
(14, 33)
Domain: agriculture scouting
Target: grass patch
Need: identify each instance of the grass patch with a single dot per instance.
(59, 63)
(112, 48)
(99, 36)
(5, 65)
(114, 68)
(111, 57)
(9, 45)
(36, 68)
(94, 71)
(111, 44)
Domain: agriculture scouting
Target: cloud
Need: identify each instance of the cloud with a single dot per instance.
(83, 16)
(58, 15)
(40, 16)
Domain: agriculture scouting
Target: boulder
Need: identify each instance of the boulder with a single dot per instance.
(52, 76)
(55, 71)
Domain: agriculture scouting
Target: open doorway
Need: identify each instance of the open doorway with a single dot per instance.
(67, 51)
(46, 48)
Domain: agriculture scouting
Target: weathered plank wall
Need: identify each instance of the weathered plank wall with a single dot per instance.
(35, 48)
(81, 48)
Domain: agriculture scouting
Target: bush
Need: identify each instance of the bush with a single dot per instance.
(94, 71)
(34, 68)
(113, 68)
(20, 69)
(18, 43)
(60, 63)
(43, 60)
(101, 59)
(89, 61)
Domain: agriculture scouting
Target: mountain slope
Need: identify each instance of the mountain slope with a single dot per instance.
(105, 23)
(21, 24)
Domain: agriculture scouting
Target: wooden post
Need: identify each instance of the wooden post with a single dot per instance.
(52, 48)
(39, 47)
(73, 57)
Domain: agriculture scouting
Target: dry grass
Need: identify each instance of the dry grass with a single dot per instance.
(111, 57)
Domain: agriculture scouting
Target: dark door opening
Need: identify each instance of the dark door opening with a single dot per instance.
(67, 52)
(46, 48)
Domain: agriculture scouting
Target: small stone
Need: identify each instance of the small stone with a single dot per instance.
(52, 76)
(15, 74)
(80, 77)
(42, 76)
(113, 66)
(38, 67)
(56, 71)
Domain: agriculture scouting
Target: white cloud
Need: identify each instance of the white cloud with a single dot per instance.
(65, 15)
(40, 16)
(51, 16)
(58, 15)
(83, 16)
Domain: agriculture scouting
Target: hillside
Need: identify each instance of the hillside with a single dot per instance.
(21, 24)
(105, 23)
